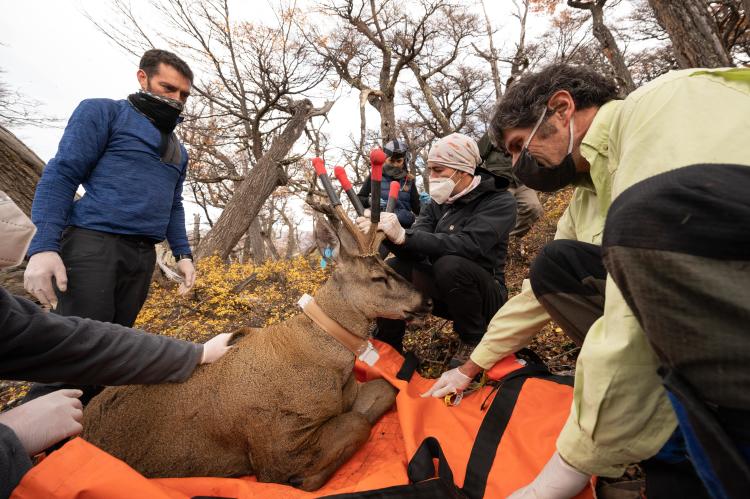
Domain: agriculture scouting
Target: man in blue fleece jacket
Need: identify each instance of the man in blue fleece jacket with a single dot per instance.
(99, 249)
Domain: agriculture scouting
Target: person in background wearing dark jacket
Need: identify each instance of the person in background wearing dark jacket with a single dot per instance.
(455, 251)
(100, 248)
(529, 208)
(396, 167)
(39, 346)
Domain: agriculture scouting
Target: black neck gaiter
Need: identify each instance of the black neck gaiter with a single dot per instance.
(162, 111)
(394, 172)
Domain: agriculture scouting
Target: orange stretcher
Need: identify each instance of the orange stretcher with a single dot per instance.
(493, 443)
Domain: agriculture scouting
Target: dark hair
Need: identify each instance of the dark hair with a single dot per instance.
(527, 97)
(152, 58)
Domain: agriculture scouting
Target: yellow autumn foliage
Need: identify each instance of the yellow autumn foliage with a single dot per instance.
(230, 296)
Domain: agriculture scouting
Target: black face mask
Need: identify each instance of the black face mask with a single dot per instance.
(545, 178)
(162, 111)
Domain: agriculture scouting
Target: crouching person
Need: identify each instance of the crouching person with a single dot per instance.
(44, 347)
(455, 252)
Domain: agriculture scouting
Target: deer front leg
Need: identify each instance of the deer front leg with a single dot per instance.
(374, 398)
(336, 441)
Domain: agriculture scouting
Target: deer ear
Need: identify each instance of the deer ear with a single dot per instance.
(326, 239)
(348, 243)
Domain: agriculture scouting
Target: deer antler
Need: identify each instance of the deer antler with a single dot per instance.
(320, 170)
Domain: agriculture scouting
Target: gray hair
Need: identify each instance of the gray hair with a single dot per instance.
(526, 98)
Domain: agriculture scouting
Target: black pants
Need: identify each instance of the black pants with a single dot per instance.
(108, 280)
(678, 247)
(461, 291)
(568, 279)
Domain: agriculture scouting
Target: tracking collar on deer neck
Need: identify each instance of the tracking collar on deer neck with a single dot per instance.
(360, 347)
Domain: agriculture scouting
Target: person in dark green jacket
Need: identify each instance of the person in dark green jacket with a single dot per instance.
(527, 202)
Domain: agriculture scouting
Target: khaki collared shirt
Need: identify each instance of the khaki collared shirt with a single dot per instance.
(620, 413)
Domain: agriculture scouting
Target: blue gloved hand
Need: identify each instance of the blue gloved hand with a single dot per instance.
(424, 198)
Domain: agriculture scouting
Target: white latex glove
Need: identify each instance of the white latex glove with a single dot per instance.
(37, 279)
(452, 381)
(215, 348)
(557, 480)
(46, 420)
(390, 225)
(363, 222)
(187, 269)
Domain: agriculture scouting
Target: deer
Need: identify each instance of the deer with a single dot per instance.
(283, 404)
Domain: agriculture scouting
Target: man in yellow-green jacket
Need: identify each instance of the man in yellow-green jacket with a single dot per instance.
(673, 171)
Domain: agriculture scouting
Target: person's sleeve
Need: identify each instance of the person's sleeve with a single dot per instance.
(425, 222)
(46, 347)
(14, 462)
(512, 328)
(176, 230)
(489, 222)
(364, 193)
(81, 146)
(620, 412)
(566, 227)
(416, 205)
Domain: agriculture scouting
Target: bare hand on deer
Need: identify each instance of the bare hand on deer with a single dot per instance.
(187, 270)
(215, 348)
(37, 279)
(46, 420)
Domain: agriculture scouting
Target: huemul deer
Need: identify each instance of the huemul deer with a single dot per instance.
(283, 405)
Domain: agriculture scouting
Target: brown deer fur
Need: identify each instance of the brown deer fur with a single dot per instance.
(282, 405)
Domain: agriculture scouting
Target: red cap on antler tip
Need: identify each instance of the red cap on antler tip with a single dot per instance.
(320, 166)
(342, 178)
(377, 158)
(393, 191)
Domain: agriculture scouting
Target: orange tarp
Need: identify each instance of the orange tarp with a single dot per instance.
(80, 470)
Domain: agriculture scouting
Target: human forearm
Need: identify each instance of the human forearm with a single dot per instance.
(45, 347)
(14, 461)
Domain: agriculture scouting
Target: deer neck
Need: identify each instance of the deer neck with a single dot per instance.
(334, 303)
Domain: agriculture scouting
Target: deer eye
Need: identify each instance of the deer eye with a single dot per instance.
(380, 278)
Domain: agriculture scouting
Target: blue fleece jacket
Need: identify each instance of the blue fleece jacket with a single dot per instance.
(113, 151)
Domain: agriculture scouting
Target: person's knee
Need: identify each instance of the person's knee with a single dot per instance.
(550, 258)
(450, 270)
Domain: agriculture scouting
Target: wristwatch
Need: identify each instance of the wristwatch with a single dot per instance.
(189, 256)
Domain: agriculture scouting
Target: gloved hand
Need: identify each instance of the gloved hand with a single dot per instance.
(424, 198)
(37, 279)
(390, 225)
(363, 222)
(187, 269)
(46, 420)
(215, 348)
(452, 381)
(557, 480)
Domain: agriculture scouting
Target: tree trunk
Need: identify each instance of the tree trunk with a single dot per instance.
(493, 56)
(196, 230)
(20, 170)
(388, 130)
(693, 33)
(254, 247)
(252, 192)
(610, 49)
